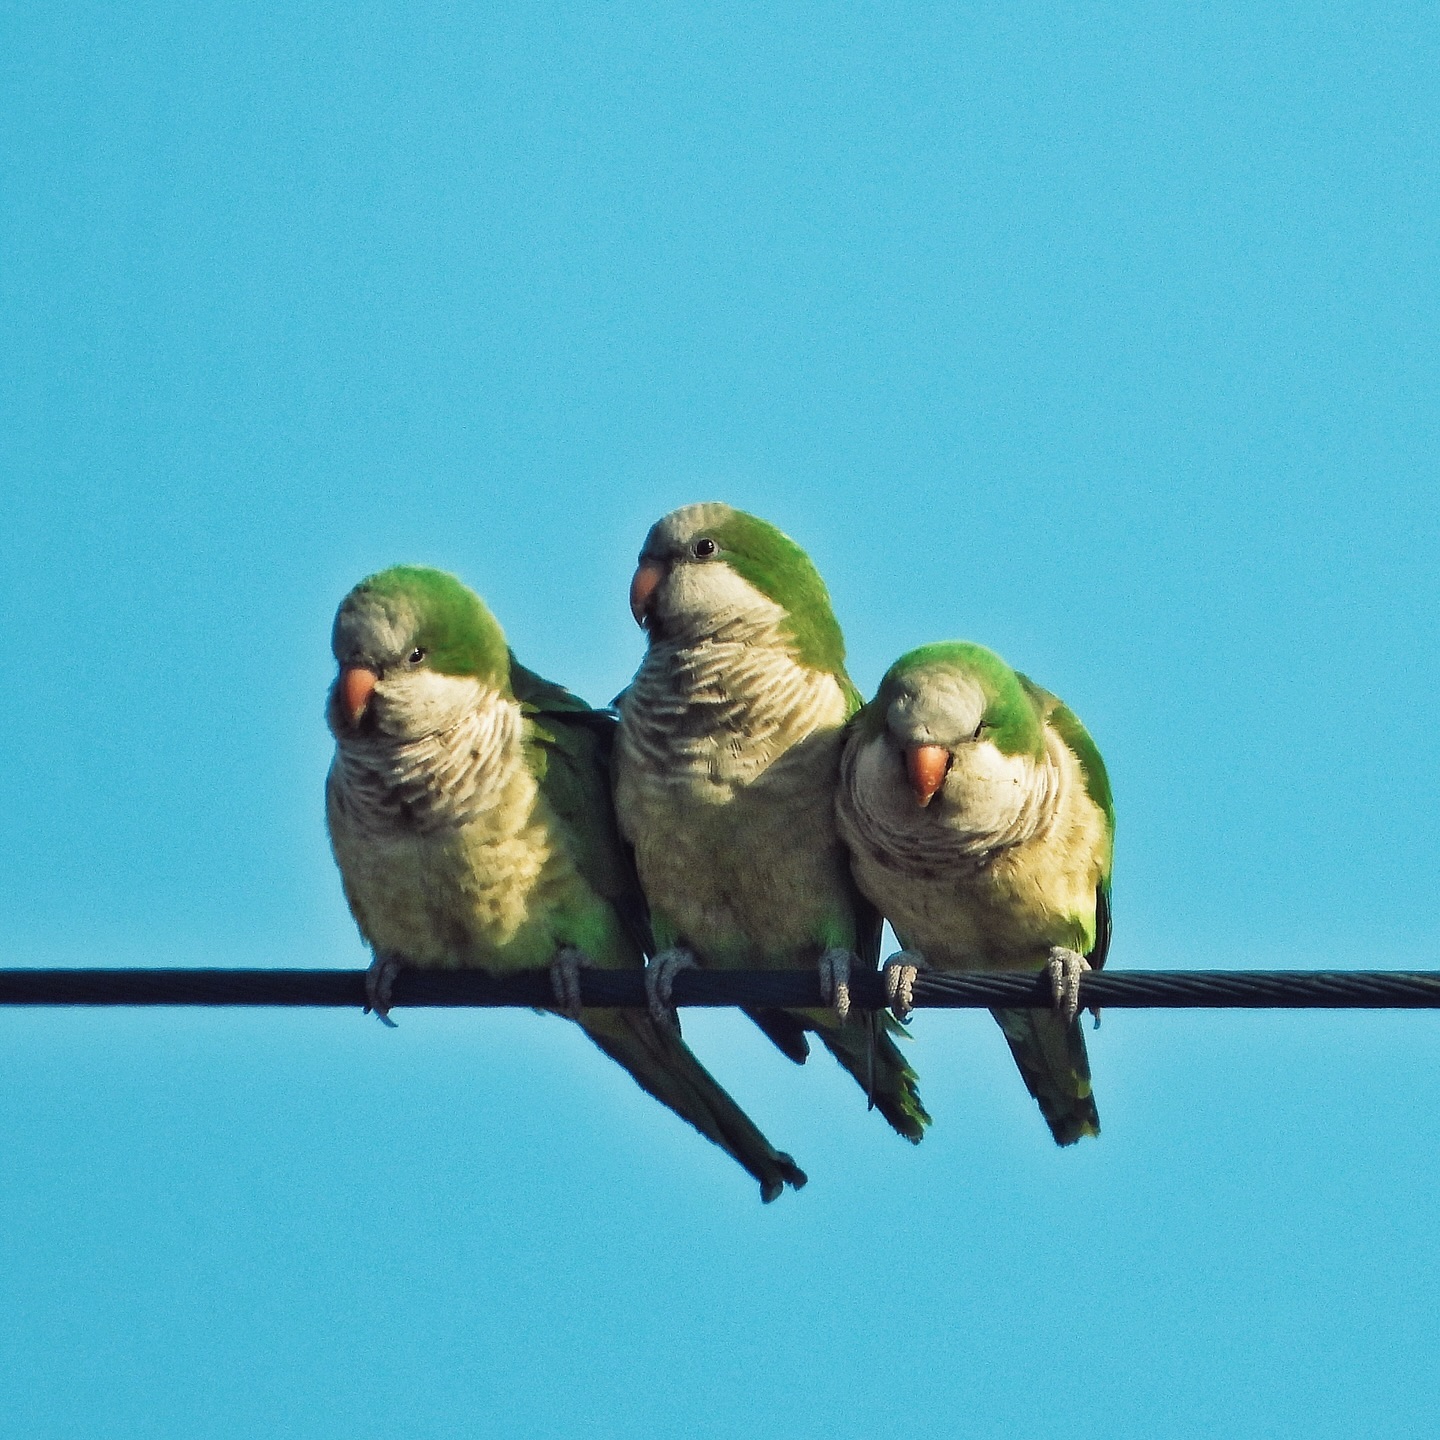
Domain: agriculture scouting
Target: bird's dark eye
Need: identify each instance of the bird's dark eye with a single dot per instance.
(704, 549)
(415, 656)
(980, 729)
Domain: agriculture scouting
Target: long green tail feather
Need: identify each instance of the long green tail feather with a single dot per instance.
(663, 1066)
(879, 1067)
(1056, 1070)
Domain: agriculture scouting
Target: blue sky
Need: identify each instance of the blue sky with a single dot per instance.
(1106, 338)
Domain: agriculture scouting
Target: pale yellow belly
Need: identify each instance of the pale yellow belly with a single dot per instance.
(745, 877)
(1005, 916)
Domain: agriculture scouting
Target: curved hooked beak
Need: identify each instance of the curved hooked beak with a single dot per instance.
(927, 766)
(642, 590)
(357, 684)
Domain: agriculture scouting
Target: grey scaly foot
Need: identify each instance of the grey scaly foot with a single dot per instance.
(900, 972)
(660, 983)
(380, 986)
(1066, 967)
(565, 979)
(835, 980)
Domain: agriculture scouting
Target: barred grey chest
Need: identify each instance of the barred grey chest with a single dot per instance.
(387, 786)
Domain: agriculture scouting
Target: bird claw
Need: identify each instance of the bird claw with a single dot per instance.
(900, 972)
(834, 967)
(660, 976)
(565, 979)
(380, 987)
(1066, 967)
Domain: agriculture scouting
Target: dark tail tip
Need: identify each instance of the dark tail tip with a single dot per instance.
(795, 1177)
(786, 1033)
(1077, 1125)
(790, 1174)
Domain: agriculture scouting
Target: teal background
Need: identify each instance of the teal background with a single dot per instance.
(1103, 336)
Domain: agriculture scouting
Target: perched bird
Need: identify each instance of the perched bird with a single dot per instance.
(725, 771)
(470, 814)
(979, 819)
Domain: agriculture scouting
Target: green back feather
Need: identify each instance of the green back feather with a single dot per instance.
(781, 571)
(540, 696)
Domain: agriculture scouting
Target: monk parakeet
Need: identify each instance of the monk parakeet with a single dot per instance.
(979, 820)
(725, 772)
(470, 815)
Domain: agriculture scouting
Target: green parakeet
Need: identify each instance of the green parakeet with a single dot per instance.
(725, 771)
(979, 820)
(470, 814)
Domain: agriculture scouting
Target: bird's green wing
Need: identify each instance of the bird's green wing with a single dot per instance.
(568, 746)
(1069, 728)
(1101, 948)
(1097, 786)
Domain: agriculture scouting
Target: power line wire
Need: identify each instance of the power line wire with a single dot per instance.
(950, 990)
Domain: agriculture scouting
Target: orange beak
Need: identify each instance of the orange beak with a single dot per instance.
(357, 684)
(642, 589)
(927, 766)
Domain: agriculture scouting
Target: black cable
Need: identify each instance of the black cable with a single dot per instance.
(950, 990)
